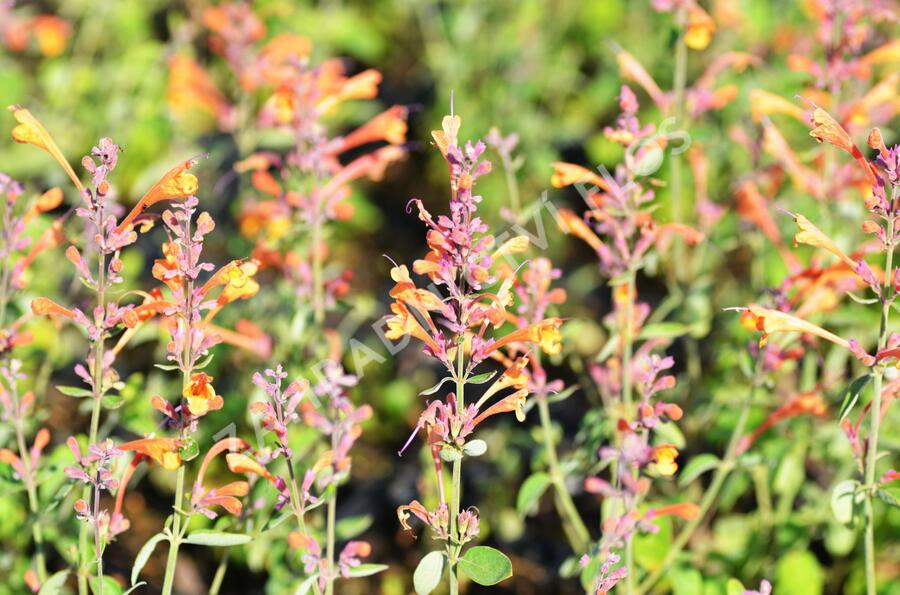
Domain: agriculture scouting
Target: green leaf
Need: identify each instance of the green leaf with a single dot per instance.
(486, 565)
(352, 526)
(734, 587)
(481, 378)
(696, 467)
(475, 448)
(134, 588)
(888, 496)
(112, 401)
(110, 586)
(75, 391)
(844, 500)
(799, 573)
(189, 449)
(665, 330)
(167, 367)
(561, 395)
(54, 584)
(531, 491)
(366, 570)
(428, 573)
(217, 538)
(307, 584)
(436, 387)
(450, 454)
(144, 554)
(851, 395)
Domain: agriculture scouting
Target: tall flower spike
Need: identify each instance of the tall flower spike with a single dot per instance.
(31, 131)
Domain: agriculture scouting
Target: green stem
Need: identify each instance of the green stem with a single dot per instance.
(37, 532)
(329, 548)
(97, 374)
(453, 547)
(318, 286)
(453, 550)
(175, 543)
(712, 492)
(220, 574)
(887, 291)
(628, 340)
(298, 510)
(515, 202)
(679, 83)
(574, 526)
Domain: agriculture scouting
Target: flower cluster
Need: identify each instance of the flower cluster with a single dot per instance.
(619, 226)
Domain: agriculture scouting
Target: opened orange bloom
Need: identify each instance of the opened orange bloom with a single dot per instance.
(774, 321)
(664, 456)
(165, 451)
(200, 395)
(30, 131)
(176, 184)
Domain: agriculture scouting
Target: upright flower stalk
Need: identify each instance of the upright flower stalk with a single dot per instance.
(460, 328)
(883, 177)
(16, 254)
(619, 226)
(106, 241)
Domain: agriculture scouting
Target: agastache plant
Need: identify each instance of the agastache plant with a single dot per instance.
(460, 326)
(620, 228)
(883, 174)
(327, 408)
(17, 253)
(106, 242)
(306, 187)
(187, 314)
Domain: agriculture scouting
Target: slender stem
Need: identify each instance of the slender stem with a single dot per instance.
(97, 375)
(318, 285)
(628, 340)
(576, 531)
(675, 162)
(298, 510)
(219, 577)
(712, 492)
(329, 547)
(453, 547)
(175, 543)
(30, 487)
(515, 202)
(887, 292)
(98, 545)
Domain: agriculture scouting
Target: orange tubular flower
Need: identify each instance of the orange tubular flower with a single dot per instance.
(165, 451)
(572, 224)
(241, 463)
(515, 376)
(700, 28)
(52, 34)
(46, 307)
(813, 236)
(808, 403)
(774, 321)
(685, 510)
(514, 402)
(246, 336)
(632, 70)
(567, 174)
(404, 323)
(664, 456)
(48, 201)
(30, 131)
(763, 103)
(200, 395)
(190, 89)
(388, 126)
(176, 184)
(827, 129)
(545, 334)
